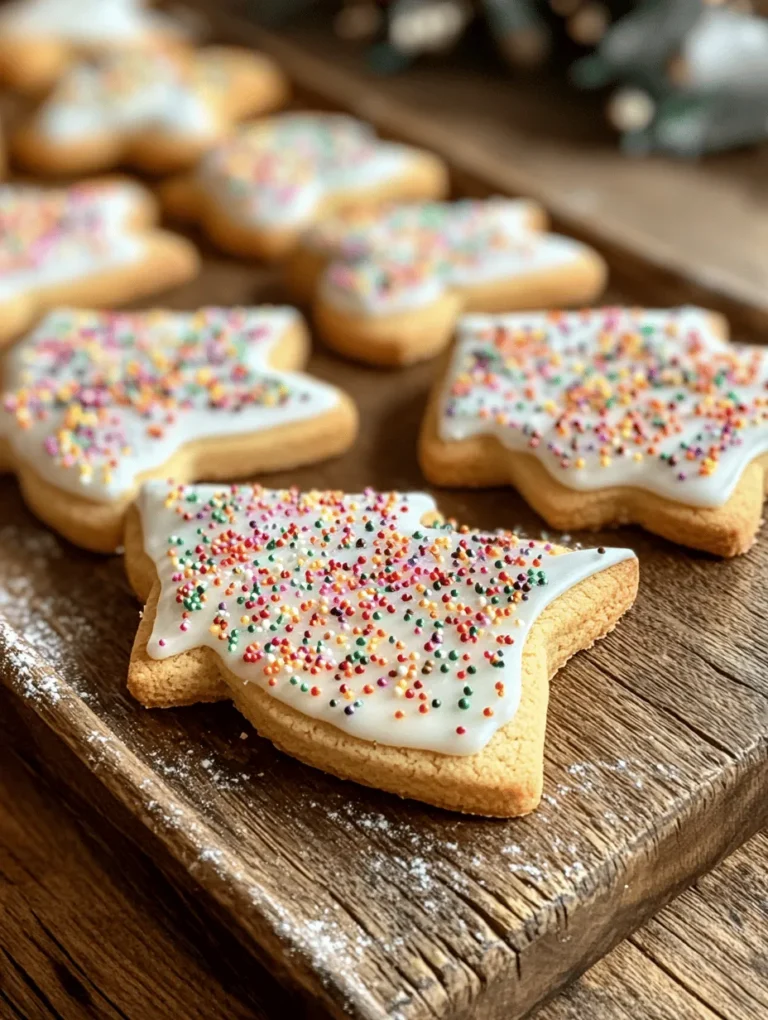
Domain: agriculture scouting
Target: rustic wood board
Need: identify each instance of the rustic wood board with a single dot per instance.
(656, 762)
(703, 958)
(670, 226)
(89, 927)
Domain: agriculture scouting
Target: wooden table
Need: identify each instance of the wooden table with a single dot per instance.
(90, 928)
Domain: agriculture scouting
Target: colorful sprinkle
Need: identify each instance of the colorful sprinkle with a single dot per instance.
(360, 636)
(614, 397)
(282, 167)
(97, 398)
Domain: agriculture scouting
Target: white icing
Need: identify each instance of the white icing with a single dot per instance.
(419, 294)
(87, 22)
(131, 91)
(560, 358)
(537, 254)
(276, 172)
(292, 616)
(409, 256)
(92, 234)
(138, 386)
(357, 231)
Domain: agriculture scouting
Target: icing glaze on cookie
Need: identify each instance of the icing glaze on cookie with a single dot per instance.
(95, 399)
(84, 21)
(48, 237)
(613, 397)
(364, 228)
(131, 90)
(352, 611)
(277, 172)
(410, 255)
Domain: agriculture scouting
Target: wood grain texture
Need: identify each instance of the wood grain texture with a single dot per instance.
(704, 956)
(89, 927)
(379, 908)
(669, 226)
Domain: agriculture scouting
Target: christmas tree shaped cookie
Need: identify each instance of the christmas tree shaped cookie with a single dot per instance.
(91, 243)
(257, 191)
(97, 402)
(388, 285)
(360, 635)
(39, 39)
(159, 110)
(609, 416)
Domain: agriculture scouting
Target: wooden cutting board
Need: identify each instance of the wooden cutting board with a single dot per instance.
(656, 763)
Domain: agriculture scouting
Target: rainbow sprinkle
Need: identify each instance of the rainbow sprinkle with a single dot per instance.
(132, 89)
(409, 254)
(613, 397)
(282, 167)
(353, 609)
(47, 228)
(97, 398)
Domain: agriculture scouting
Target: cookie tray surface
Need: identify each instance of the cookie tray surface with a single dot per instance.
(656, 760)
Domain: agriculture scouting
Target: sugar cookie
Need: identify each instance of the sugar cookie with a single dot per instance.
(159, 111)
(366, 642)
(609, 416)
(389, 284)
(94, 243)
(97, 402)
(40, 38)
(256, 192)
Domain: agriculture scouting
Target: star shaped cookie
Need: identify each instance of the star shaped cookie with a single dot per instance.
(257, 191)
(39, 39)
(158, 110)
(97, 402)
(388, 285)
(93, 243)
(360, 635)
(609, 416)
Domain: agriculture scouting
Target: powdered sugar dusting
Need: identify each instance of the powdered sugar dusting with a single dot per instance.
(34, 680)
